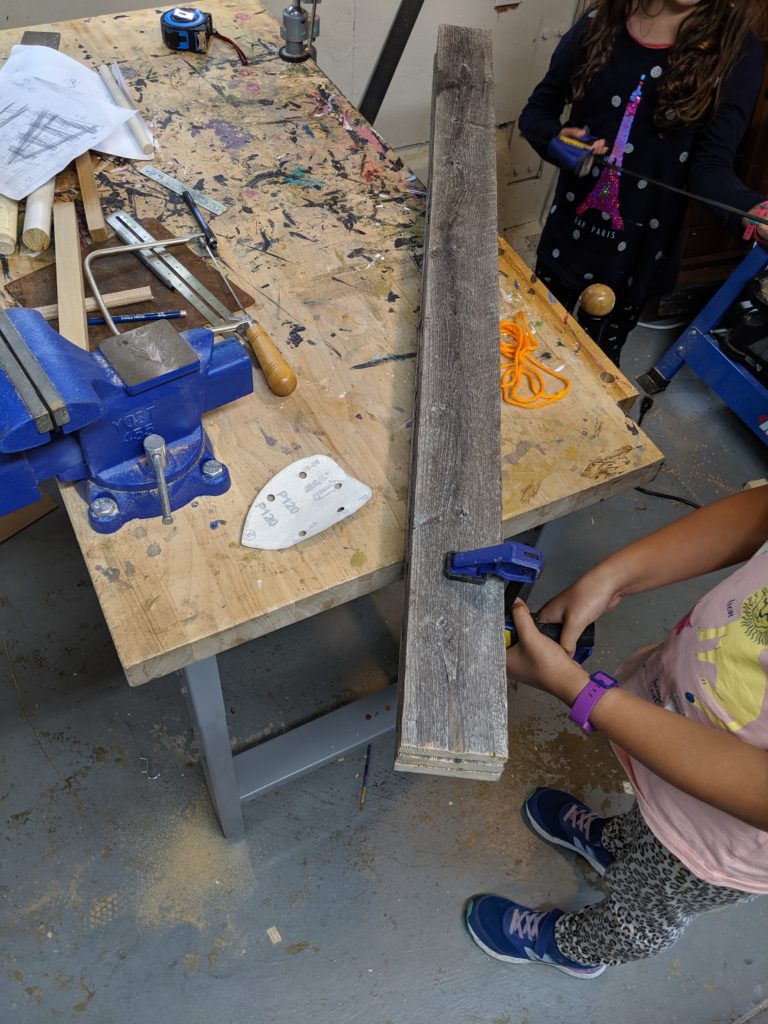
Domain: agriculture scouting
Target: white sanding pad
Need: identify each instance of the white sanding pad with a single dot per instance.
(303, 499)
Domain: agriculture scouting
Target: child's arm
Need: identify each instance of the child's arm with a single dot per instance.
(721, 534)
(540, 119)
(713, 766)
(712, 174)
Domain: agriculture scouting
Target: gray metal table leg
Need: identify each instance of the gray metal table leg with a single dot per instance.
(234, 778)
(306, 747)
(209, 719)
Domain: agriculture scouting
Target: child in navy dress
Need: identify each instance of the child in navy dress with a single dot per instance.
(667, 89)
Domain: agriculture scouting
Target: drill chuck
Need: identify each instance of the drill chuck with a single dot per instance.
(295, 31)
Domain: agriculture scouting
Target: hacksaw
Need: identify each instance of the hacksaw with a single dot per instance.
(170, 271)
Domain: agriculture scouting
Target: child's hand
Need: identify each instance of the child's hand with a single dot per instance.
(540, 662)
(757, 230)
(599, 146)
(583, 602)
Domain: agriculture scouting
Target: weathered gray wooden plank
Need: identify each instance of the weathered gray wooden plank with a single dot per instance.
(453, 692)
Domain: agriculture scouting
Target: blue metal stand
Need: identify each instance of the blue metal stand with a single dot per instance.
(742, 392)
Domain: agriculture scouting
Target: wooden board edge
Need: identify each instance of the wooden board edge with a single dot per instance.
(556, 509)
(138, 673)
(435, 753)
(14, 522)
(446, 767)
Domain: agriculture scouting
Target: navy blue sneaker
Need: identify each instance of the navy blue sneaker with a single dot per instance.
(516, 934)
(562, 819)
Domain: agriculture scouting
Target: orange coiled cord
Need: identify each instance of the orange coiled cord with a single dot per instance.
(524, 378)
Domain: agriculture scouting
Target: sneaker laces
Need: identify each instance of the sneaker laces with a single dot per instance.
(525, 923)
(580, 818)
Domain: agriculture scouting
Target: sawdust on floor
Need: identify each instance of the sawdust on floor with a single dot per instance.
(190, 867)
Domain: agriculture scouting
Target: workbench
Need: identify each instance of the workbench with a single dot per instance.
(324, 225)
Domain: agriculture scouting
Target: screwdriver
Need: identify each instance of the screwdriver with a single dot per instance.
(210, 238)
(277, 373)
(602, 161)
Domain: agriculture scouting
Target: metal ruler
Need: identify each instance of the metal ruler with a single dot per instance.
(176, 186)
(169, 270)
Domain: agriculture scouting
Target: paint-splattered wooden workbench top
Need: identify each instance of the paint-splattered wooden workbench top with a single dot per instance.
(324, 225)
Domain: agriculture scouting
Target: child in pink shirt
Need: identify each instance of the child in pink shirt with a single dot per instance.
(689, 723)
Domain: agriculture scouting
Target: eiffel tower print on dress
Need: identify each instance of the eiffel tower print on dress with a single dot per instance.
(605, 195)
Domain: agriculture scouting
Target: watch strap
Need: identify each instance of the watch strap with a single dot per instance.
(584, 704)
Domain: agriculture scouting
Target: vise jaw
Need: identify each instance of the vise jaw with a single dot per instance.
(83, 416)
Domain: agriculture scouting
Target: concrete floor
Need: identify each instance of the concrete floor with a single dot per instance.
(120, 902)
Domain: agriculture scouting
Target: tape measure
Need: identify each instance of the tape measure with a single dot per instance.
(187, 28)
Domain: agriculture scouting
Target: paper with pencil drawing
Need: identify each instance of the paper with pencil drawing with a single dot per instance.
(41, 131)
(52, 109)
(58, 69)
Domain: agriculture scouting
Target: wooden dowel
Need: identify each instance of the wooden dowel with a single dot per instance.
(69, 275)
(36, 233)
(114, 300)
(94, 215)
(9, 225)
(137, 128)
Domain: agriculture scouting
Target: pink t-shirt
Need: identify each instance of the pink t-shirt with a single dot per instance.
(713, 669)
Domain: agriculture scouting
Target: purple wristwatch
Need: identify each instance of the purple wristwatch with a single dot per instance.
(598, 683)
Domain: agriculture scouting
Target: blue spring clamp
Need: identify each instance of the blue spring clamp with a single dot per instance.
(511, 561)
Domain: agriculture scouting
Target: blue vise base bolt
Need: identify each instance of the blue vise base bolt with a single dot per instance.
(98, 407)
(512, 561)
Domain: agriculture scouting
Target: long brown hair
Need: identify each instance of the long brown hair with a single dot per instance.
(708, 44)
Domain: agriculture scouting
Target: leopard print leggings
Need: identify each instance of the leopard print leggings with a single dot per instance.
(651, 899)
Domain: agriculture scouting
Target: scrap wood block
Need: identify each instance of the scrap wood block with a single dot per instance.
(69, 275)
(94, 215)
(452, 716)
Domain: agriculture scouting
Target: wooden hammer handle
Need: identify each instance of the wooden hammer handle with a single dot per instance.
(278, 374)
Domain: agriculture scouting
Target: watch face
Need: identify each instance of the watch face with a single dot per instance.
(604, 680)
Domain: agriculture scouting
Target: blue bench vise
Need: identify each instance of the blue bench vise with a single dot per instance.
(84, 417)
